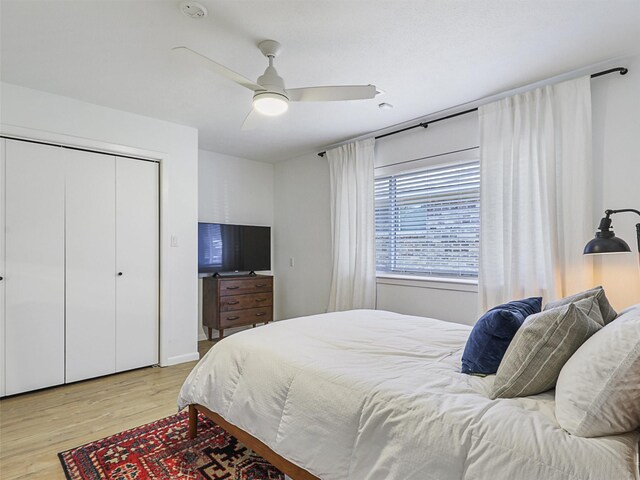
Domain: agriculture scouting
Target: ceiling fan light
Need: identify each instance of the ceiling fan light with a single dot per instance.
(271, 104)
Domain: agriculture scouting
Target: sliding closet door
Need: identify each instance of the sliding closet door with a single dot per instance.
(137, 217)
(34, 266)
(2, 274)
(90, 262)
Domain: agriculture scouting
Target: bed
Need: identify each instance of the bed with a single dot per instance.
(368, 394)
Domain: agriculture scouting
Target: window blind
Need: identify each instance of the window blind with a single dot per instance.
(428, 221)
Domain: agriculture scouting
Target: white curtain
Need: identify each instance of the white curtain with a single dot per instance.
(353, 279)
(535, 201)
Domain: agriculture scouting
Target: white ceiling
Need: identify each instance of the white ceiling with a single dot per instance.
(426, 55)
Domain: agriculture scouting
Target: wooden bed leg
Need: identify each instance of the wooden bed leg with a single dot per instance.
(193, 421)
(291, 469)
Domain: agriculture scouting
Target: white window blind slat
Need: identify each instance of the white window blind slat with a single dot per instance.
(428, 221)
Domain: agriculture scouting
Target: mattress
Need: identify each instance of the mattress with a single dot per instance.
(369, 394)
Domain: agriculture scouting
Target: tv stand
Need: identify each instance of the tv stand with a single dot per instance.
(230, 301)
(234, 274)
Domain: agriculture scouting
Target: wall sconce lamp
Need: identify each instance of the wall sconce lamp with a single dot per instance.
(606, 241)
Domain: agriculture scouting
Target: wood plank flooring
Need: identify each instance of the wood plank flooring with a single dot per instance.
(34, 427)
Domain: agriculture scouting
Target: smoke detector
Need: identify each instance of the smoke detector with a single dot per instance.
(193, 9)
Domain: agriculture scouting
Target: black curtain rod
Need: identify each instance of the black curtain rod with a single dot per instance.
(622, 70)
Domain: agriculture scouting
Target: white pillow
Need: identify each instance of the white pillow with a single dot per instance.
(629, 309)
(598, 390)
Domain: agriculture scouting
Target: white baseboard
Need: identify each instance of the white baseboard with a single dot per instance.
(187, 357)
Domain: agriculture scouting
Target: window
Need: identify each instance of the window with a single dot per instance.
(428, 221)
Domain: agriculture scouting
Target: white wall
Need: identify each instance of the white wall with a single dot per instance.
(451, 301)
(616, 126)
(45, 116)
(302, 194)
(302, 232)
(457, 133)
(233, 190)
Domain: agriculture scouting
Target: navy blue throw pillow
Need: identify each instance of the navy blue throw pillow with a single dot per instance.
(493, 333)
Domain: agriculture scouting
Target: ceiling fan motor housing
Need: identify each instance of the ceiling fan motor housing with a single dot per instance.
(274, 99)
(271, 81)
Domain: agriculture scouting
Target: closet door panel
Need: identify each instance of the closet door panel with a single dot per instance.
(2, 274)
(34, 266)
(138, 259)
(90, 265)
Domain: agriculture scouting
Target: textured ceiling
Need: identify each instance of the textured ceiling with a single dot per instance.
(425, 55)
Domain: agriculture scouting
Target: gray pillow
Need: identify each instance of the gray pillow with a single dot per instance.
(607, 311)
(542, 346)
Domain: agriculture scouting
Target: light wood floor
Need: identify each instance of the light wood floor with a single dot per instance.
(34, 427)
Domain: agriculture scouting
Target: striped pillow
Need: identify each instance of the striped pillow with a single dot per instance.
(607, 311)
(543, 345)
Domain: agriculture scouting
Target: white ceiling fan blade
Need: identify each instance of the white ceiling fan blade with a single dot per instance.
(218, 68)
(330, 94)
(252, 121)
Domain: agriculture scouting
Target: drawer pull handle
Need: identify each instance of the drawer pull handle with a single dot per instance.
(232, 318)
(261, 299)
(258, 285)
(261, 314)
(233, 303)
(232, 288)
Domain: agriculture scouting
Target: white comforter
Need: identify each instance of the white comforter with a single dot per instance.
(369, 394)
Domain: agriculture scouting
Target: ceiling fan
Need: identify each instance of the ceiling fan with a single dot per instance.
(270, 96)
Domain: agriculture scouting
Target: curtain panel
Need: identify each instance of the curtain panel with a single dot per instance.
(536, 188)
(353, 278)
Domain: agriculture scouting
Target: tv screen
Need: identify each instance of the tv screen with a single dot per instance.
(226, 248)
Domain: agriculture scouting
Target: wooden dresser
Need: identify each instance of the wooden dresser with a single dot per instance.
(229, 302)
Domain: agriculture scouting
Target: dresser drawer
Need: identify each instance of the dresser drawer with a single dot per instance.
(249, 300)
(245, 285)
(229, 302)
(245, 317)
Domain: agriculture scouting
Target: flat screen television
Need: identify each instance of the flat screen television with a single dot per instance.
(237, 249)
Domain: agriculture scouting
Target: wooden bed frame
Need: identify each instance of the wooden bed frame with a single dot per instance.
(285, 466)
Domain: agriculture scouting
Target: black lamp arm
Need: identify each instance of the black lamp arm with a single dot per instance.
(606, 221)
(609, 212)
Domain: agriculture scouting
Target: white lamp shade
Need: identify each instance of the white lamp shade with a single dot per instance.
(270, 104)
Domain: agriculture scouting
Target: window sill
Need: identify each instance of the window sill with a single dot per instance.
(457, 284)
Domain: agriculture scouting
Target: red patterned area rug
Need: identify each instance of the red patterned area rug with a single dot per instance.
(162, 451)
